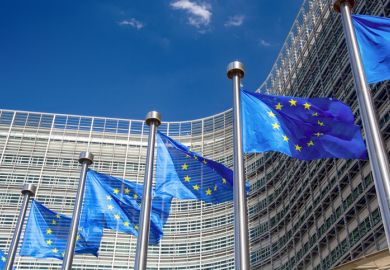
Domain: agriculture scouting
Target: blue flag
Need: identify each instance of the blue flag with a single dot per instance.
(303, 128)
(116, 204)
(184, 174)
(373, 35)
(47, 232)
(3, 260)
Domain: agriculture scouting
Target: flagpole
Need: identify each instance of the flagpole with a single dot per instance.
(235, 71)
(28, 191)
(85, 159)
(153, 120)
(376, 150)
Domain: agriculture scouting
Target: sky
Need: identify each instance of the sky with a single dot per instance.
(125, 58)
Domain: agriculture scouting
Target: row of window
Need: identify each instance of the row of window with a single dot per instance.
(278, 246)
(116, 126)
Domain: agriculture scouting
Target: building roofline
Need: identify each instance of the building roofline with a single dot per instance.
(115, 118)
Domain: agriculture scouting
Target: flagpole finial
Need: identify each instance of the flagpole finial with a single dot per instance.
(86, 157)
(235, 67)
(337, 4)
(29, 189)
(153, 116)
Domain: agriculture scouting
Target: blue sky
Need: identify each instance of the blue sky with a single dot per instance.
(125, 58)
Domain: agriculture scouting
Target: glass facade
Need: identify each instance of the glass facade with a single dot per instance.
(302, 215)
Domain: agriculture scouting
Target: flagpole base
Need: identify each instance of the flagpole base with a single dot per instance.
(337, 4)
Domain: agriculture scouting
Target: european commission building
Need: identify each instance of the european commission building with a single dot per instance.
(302, 215)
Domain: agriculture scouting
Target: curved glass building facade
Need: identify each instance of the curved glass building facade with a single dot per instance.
(302, 215)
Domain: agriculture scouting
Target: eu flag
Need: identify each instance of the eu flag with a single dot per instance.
(47, 232)
(116, 204)
(303, 128)
(3, 260)
(184, 174)
(373, 35)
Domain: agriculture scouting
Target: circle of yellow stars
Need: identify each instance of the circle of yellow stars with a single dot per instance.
(49, 233)
(111, 207)
(187, 178)
(294, 103)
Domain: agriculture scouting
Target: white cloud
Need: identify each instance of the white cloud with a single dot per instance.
(235, 20)
(264, 43)
(199, 14)
(133, 23)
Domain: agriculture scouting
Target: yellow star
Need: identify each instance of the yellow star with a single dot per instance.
(271, 114)
(110, 207)
(78, 237)
(196, 187)
(224, 180)
(307, 106)
(108, 198)
(136, 227)
(55, 250)
(285, 138)
(54, 222)
(208, 192)
(278, 106)
(196, 157)
(49, 242)
(48, 231)
(215, 187)
(126, 223)
(127, 191)
(63, 254)
(58, 216)
(318, 134)
(117, 217)
(298, 148)
(187, 178)
(135, 196)
(184, 166)
(116, 191)
(321, 123)
(275, 126)
(190, 149)
(3, 258)
(204, 162)
(315, 114)
(311, 143)
(293, 102)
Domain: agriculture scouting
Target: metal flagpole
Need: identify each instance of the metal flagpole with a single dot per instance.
(153, 119)
(85, 159)
(28, 191)
(235, 71)
(376, 150)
